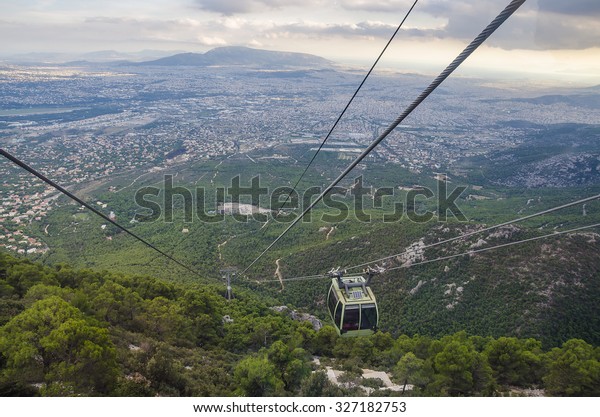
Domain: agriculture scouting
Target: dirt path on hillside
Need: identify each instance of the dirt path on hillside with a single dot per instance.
(278, 273)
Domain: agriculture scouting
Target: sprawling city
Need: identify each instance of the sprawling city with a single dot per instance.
(80, 124)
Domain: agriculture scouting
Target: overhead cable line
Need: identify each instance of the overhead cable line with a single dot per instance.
(504, 245)
(495, 24)
(305, 278)
(346, 108)
(487, 229)
(48, 181)
(444, 258)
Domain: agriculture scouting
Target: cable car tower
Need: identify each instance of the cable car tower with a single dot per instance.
(227, 273)
(352, 304)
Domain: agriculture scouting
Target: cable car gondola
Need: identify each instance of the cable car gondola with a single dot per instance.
(352, 305)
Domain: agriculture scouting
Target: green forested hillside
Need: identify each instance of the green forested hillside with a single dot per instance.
(80, 332)
(558, 155)
(545, 289)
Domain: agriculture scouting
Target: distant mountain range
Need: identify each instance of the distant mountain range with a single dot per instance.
(222, 56)
(107, 56)
(242, 56)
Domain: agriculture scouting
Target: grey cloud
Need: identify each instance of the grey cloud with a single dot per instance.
(539, 25)
(532, 28)
(464, 18)
(571, 7)
(231, 7)
(110, 33)
(377, 5)
(107, 20)
(541, 29)
(567, 32)
(226, 7)
(433, 7)
(359, 30)
(368, 29)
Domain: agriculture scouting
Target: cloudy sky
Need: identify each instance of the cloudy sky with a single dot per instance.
(558, 38)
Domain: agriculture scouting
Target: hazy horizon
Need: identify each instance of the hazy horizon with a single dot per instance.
(550, 39)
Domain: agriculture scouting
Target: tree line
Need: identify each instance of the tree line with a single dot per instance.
(66, 332)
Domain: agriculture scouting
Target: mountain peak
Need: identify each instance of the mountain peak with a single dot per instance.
(243, 56)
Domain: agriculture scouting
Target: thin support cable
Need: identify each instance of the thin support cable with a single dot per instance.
(495, 24)
(487, 229)
(72, 196)
(504, 245)
(445, 258)
(346, 108)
